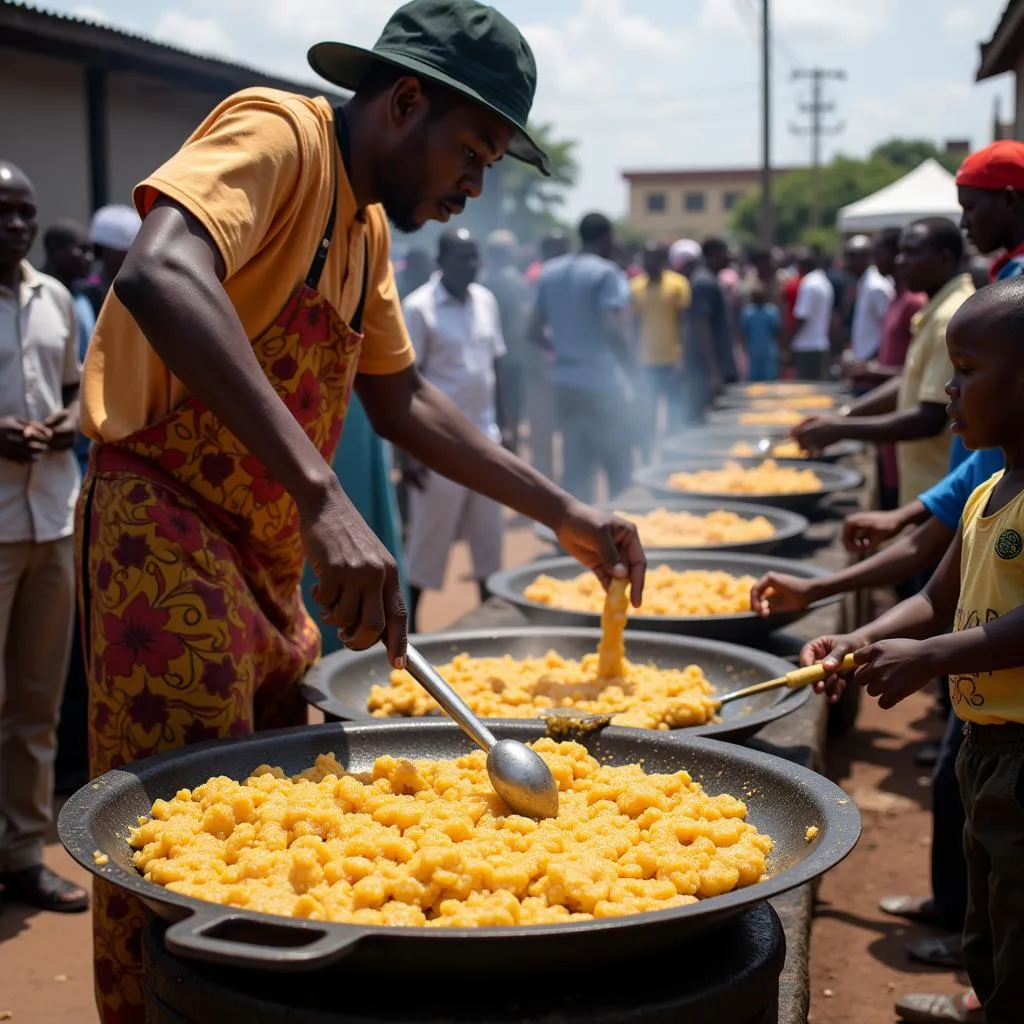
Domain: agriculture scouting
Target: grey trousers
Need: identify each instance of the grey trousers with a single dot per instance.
(37, 608)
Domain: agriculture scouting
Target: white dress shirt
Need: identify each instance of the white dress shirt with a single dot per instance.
(38, 358)
(456, 343)
(814, 301)
(874, 296)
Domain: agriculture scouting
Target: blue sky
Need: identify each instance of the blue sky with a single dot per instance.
(659, 83)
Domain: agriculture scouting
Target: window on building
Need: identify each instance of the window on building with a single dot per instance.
(730, 199)
(693, 202)
(655, 202)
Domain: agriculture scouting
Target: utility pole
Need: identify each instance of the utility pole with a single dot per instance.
(817, 130)
(767, 206)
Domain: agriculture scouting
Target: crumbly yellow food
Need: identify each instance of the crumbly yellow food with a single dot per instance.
(733, 478)
(430, 843)
(778, 389)
(781, 450)
(663, 529)
(667, 591)
(611, 648)
(645, 697)
(811, 834)
(793, 402)
(772, 418)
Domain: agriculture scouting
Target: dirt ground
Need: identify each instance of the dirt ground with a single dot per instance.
(858, 964)
(858, 961)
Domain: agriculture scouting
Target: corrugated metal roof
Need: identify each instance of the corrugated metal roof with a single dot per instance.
(1000, 53)
(41, 21)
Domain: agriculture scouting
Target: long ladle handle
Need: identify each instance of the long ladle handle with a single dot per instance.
(428, 677)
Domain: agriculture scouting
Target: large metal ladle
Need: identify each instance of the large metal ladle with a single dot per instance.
(518, 774)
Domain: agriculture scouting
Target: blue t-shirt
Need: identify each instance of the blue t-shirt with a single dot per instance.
(572, 294)
(1013, 267)
(946, 500)
(760, 327)
(85, 321)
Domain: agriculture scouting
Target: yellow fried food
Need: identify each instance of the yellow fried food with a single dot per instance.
(733, 478)
(667, 591)
(781, 450)
(645, 696)
(663, 529)
(794, 402)
(611, 649)
(772, 418)
(429, 843)
(777, 389)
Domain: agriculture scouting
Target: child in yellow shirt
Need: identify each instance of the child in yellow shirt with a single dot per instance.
(978, 594)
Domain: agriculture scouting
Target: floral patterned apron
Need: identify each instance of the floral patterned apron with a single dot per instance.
(190, 564)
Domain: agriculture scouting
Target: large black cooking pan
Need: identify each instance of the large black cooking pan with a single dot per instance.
(788, 525)
(340, 684)
(784, 800)
(717, 442)
(834, 479)
(731, 417)
(742, 628)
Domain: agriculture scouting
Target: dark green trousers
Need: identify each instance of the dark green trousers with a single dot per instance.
(990, 769)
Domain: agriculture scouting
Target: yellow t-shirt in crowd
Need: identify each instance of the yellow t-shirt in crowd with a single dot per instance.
(926, 372)
(259, 173)
(658, 310)
(991, 585)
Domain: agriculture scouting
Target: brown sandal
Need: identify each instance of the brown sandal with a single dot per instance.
(40, 887)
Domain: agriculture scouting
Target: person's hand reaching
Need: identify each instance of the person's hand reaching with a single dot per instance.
(830, 652)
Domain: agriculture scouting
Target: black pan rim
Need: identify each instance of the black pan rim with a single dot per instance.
(315, 687)
(500, 585)
(843, 478)
(844, 826)
(793, 524)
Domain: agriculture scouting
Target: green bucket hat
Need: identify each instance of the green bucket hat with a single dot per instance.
(464, 45)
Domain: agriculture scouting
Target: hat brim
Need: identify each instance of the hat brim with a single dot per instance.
(346, 65)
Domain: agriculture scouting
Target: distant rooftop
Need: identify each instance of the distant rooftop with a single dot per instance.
(681, 177)
(29, 28)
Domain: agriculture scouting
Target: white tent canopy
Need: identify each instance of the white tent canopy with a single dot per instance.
(927, 191)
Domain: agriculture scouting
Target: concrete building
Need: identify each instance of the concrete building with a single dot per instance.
(1003, 53)
(688, 204)
(88, 111)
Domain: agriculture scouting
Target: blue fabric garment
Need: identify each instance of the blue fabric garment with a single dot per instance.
(760, 325)
(946, 500)
(361, 464)
(85, 321)
(572, 294)
(1013, 267)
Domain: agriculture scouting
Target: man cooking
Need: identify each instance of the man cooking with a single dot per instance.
(257, 294)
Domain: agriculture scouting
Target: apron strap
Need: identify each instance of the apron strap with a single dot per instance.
(316, 269)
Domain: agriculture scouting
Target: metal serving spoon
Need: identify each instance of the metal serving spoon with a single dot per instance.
(518, 774)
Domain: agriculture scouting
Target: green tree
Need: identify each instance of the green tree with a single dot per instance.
(843, 181)
(911, 153)
(531, 202)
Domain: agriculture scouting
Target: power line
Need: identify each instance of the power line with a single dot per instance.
(817, 109)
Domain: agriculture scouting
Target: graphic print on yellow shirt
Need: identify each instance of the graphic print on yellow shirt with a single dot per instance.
(658, 308)
(991, 585)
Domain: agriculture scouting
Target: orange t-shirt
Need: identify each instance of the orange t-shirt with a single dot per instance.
(258, 173)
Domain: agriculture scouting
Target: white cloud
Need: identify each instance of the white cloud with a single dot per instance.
(201, 35)
(840, 21)
(959, 20)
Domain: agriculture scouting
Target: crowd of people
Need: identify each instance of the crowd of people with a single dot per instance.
(195, 358)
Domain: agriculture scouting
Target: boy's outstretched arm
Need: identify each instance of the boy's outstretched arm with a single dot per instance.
(892, 669)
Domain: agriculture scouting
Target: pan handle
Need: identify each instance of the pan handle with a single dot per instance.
(223, 936)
